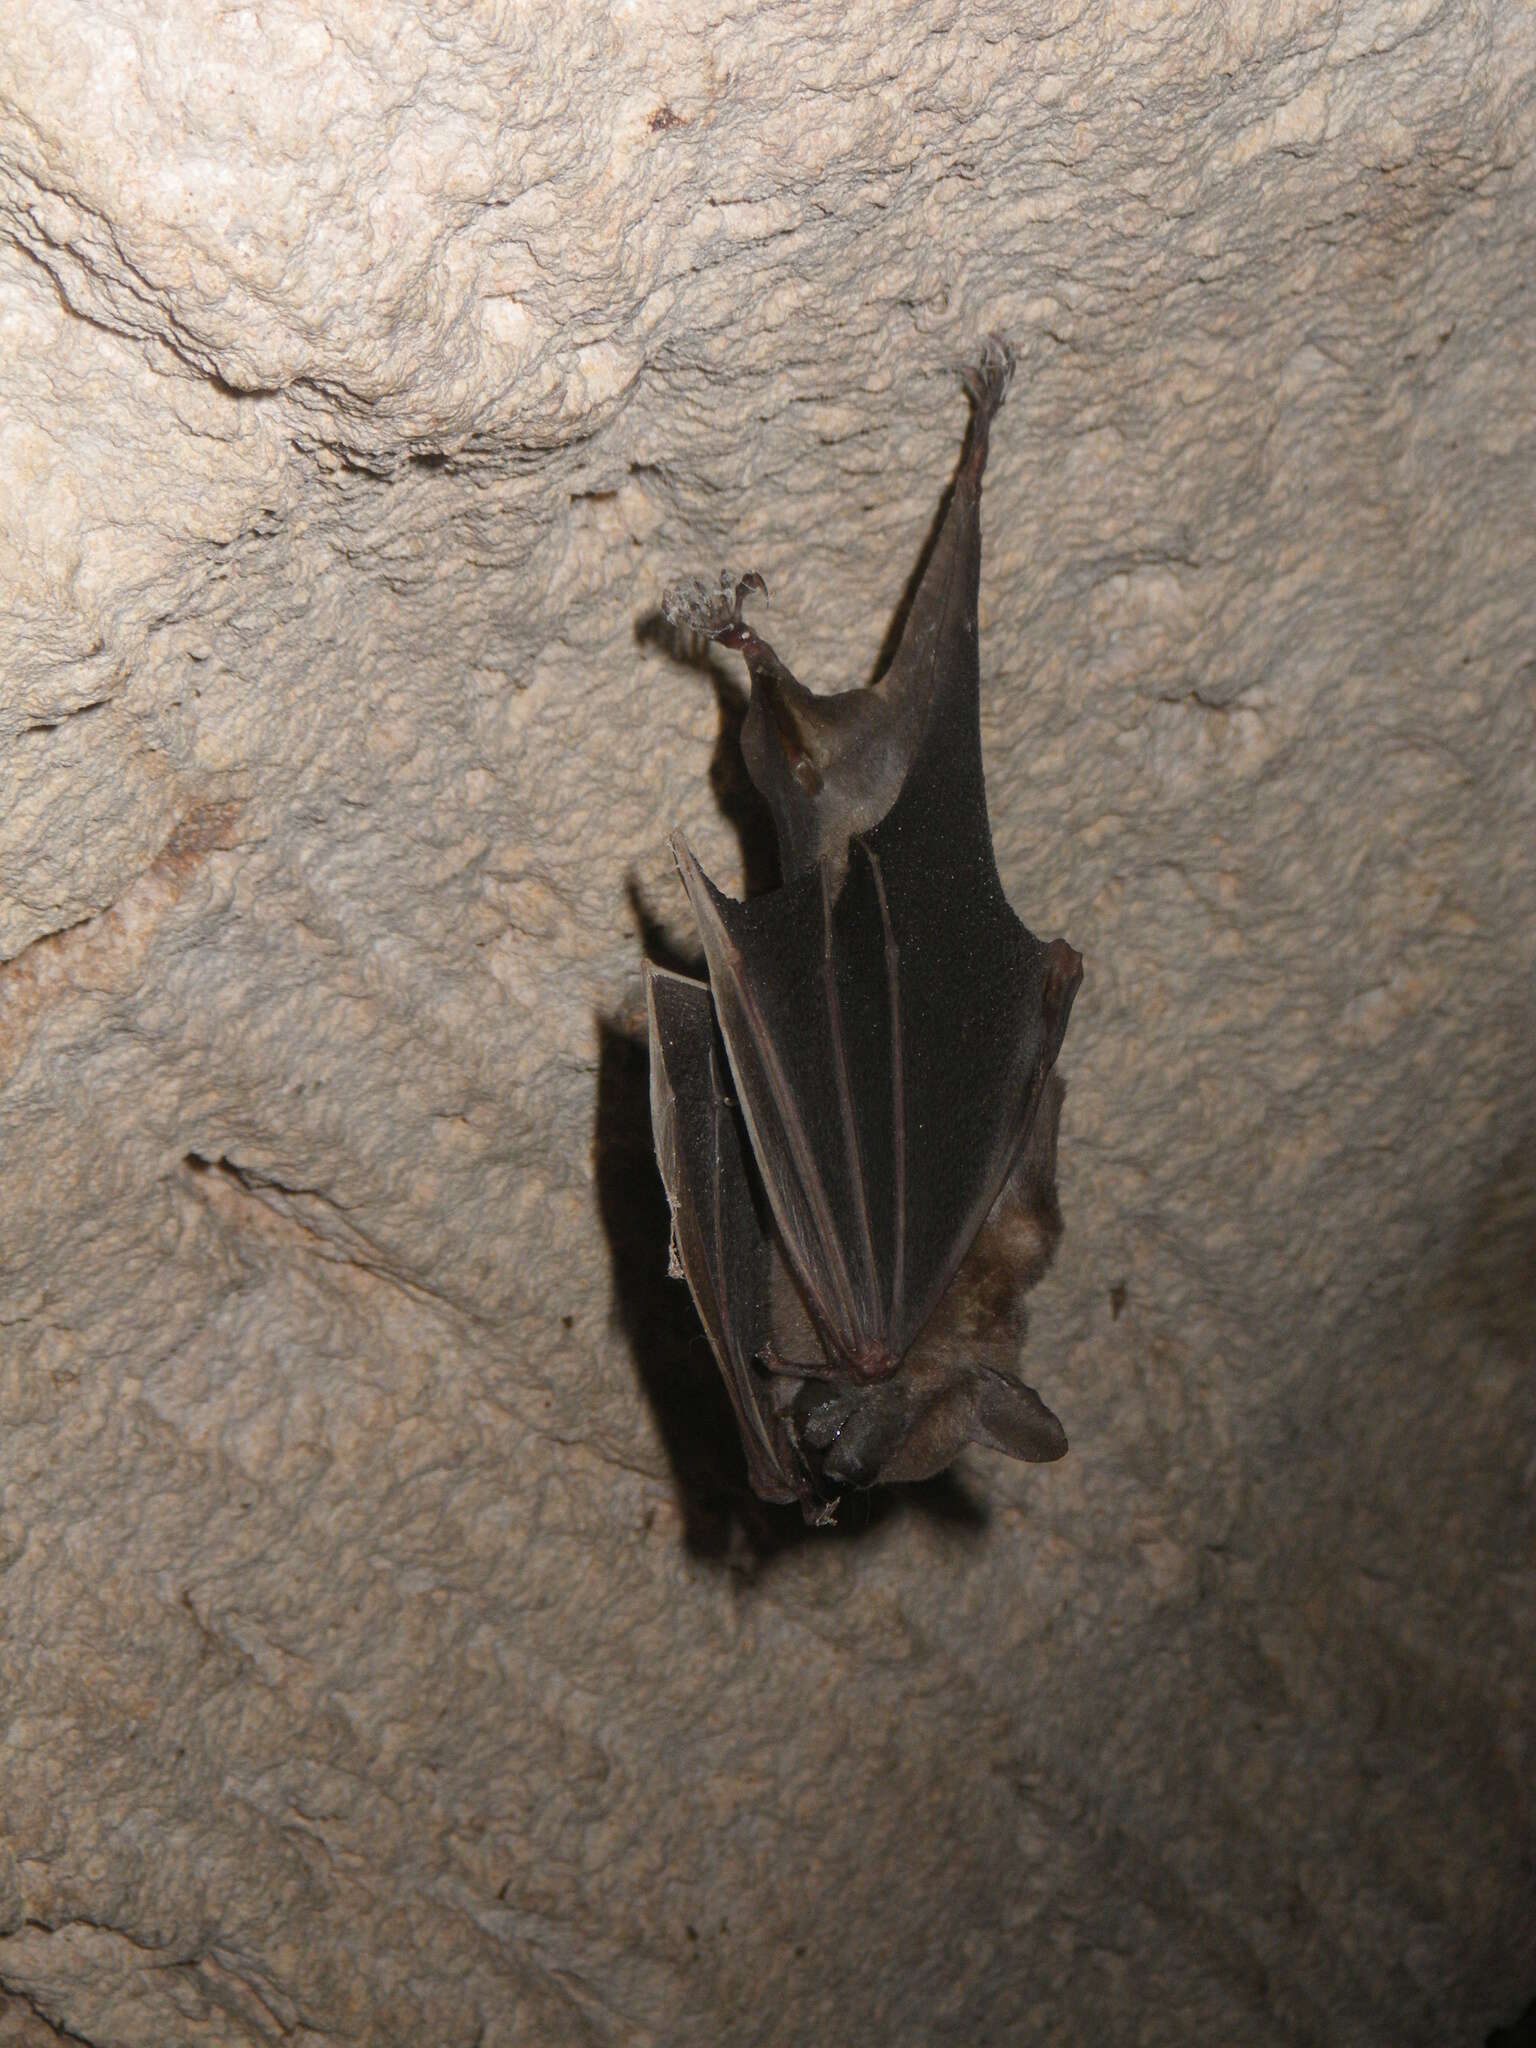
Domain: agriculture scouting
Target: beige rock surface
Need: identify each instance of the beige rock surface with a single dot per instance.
(388, 1651)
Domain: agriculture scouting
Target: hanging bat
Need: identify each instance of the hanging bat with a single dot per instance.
(856, 1117)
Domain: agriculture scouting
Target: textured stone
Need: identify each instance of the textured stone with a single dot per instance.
(389, 1651)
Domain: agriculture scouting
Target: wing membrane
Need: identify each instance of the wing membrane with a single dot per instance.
(717, 1235)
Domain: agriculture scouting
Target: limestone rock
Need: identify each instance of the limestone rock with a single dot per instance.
(390, 1651)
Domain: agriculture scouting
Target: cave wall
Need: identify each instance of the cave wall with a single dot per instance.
(391, 1651)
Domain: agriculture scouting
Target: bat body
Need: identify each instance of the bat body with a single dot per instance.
(855, 1118)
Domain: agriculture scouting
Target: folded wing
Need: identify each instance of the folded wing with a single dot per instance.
(717, 1236)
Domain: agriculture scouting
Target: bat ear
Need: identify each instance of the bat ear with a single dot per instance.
(1063, 978)
(1012, 1418)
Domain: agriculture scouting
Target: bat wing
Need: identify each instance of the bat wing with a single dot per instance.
(889, 1046)
(717, 1235)
(889, 1021)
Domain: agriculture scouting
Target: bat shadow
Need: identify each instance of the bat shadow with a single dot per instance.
(723, 1520)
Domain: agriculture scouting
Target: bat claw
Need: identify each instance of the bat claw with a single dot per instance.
(714, 610)
(987, 380)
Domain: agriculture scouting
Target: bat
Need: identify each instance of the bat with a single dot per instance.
(856, 1116)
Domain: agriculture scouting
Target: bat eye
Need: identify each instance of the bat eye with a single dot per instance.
(804, 772)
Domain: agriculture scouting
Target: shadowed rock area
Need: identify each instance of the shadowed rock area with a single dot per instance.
(391, 1650)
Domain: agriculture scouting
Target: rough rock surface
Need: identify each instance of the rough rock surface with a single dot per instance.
(389, 1652)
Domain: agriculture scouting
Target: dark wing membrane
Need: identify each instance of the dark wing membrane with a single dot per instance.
(890, 1023)
(885, 1044)
(780, 993)
(889, 1050)
(716, 1232)
(984, 1008)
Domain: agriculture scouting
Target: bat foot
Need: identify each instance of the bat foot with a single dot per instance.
(714, 610)
(987, 380)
